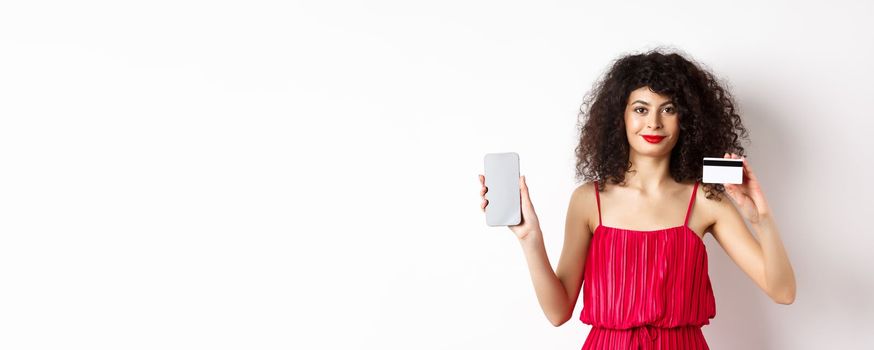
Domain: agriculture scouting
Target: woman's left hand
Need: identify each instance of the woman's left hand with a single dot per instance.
(748, 196)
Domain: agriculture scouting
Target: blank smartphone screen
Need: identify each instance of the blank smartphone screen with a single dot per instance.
(502, 180)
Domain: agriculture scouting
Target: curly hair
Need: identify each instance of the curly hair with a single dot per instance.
(709, 123)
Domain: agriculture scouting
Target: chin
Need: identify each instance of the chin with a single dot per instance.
(649, 151)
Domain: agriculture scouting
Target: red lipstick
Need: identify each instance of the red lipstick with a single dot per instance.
(653, 138)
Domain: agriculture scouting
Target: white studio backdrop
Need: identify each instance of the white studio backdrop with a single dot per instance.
(303, 175)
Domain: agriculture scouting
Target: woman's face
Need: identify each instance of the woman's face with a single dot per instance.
(648, 113)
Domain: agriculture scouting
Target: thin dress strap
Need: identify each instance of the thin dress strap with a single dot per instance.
(598, 198)
(691, 201)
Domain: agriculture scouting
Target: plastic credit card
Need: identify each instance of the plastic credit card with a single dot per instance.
(723, 171)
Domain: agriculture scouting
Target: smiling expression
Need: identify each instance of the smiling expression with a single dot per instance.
(652, 123)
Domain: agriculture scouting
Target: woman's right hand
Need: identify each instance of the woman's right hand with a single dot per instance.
(529, 226)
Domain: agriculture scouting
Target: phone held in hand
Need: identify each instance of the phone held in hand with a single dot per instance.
(723, 171)
(502, 180)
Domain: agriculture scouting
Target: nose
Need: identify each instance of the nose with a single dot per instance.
(654, 122)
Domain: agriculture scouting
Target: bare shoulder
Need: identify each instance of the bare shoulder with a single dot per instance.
(585, 189)
(583, 207)
(712, 208)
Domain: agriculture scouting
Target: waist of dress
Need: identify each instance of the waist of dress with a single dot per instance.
(667, 320)
(646, 336)
(689, 327)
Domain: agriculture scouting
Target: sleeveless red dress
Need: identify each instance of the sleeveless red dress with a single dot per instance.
(646, 289)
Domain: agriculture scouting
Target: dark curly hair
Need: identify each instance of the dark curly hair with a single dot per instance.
(709, 123)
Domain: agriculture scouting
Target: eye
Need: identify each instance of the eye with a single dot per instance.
(670, 110)
(640, 110)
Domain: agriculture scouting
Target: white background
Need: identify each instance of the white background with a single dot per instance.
(303, 175)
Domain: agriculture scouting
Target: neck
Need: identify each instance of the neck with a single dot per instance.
(651, 174)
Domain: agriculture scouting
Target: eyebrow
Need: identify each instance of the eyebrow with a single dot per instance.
(646, 103)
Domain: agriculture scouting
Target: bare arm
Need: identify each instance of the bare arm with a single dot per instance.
(779, 276)
(558, 291)
(764, 260)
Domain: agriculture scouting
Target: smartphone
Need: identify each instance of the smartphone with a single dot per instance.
(502, 180)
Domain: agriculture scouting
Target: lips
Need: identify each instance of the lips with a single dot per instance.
(653, 138)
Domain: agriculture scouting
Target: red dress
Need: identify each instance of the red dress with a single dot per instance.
(646, 289)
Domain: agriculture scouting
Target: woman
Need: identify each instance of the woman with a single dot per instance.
(634, 233)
